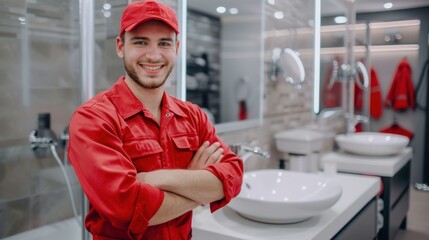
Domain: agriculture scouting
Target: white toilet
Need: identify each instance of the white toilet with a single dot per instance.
(302, 146)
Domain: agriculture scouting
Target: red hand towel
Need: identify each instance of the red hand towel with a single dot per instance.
(332, 96)
(242, 112)
(358, 97)
(397, 129)
(401, 93)
(376, 100)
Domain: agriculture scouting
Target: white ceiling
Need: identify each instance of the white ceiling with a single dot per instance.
(329, 7)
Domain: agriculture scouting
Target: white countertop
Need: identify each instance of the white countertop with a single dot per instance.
(386, 166)
(226, 224)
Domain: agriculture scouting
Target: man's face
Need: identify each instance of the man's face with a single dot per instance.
(149, 52)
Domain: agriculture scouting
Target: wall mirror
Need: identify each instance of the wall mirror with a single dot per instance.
(334, 44)
(344, 52)
(224, 59)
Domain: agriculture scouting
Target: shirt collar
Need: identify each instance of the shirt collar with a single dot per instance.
(170, 104)
(128, 105)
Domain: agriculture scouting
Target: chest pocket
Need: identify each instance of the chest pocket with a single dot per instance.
(145, 154)
(185, 147)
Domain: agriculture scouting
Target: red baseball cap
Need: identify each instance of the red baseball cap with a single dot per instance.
(142, 11)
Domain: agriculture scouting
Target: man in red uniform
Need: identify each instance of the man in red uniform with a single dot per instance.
(146, 159)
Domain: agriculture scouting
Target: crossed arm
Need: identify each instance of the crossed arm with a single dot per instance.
(186, 189)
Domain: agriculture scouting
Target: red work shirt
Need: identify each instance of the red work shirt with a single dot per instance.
(113, 137)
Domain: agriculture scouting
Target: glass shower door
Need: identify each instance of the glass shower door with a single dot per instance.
(40, 72)
(41, 52)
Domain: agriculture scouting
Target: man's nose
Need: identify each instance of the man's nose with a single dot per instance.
(153, 53)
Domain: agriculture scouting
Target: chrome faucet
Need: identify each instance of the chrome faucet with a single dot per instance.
(352, 120)
(240, 149)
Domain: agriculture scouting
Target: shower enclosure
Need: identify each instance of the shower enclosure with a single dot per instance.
(54, 54)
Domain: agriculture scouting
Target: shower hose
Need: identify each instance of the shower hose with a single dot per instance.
(69, 187)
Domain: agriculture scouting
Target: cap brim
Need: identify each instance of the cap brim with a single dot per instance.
(132, 26)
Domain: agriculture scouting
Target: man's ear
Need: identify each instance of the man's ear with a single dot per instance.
(177, 46)
(119, 47)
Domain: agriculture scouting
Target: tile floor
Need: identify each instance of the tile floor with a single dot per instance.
(418, 217)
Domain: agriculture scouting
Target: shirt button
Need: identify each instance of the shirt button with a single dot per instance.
(168, 114)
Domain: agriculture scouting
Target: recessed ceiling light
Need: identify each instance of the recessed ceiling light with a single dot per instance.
(107, 6)
(233, 10)
(388, 5)
(272, 2)
(221, 9)
(279, 15)
(340, 19)
(107, 14)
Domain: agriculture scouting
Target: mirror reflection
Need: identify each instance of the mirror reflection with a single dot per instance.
(224, 59)
(286, 65)
(333, 57)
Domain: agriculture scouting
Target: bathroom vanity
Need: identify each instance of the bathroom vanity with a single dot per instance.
(352, 217)
(395, 176)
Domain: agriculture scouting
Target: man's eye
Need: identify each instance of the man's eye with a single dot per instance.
(140, 42)
(165, 44)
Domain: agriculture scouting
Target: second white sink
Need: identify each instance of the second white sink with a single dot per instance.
(372, 143)
(281, 196)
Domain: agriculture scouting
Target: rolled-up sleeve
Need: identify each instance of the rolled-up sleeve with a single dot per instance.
(107, 174)
(229, 171)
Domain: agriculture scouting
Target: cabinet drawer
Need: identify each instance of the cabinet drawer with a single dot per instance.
(399, 183)
(363, 225)
(398, 213)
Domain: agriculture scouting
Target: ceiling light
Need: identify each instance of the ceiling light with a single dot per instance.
(233, 10)
(340, 19)
(272, 2)
(107, 14)
(279, 15)
(107, 6)
(388, 5)
(221, 9)
(22, 20)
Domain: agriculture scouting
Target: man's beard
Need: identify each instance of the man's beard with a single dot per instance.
(133, 75)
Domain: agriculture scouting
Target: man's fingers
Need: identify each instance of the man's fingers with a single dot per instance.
(200, 150)
(209, 151)
(213, 158)
(219, 158)
(206, 155)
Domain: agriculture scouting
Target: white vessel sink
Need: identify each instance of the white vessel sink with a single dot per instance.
(372, 143)
(281, 196)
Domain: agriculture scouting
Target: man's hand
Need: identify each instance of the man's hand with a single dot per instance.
(206, 155)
